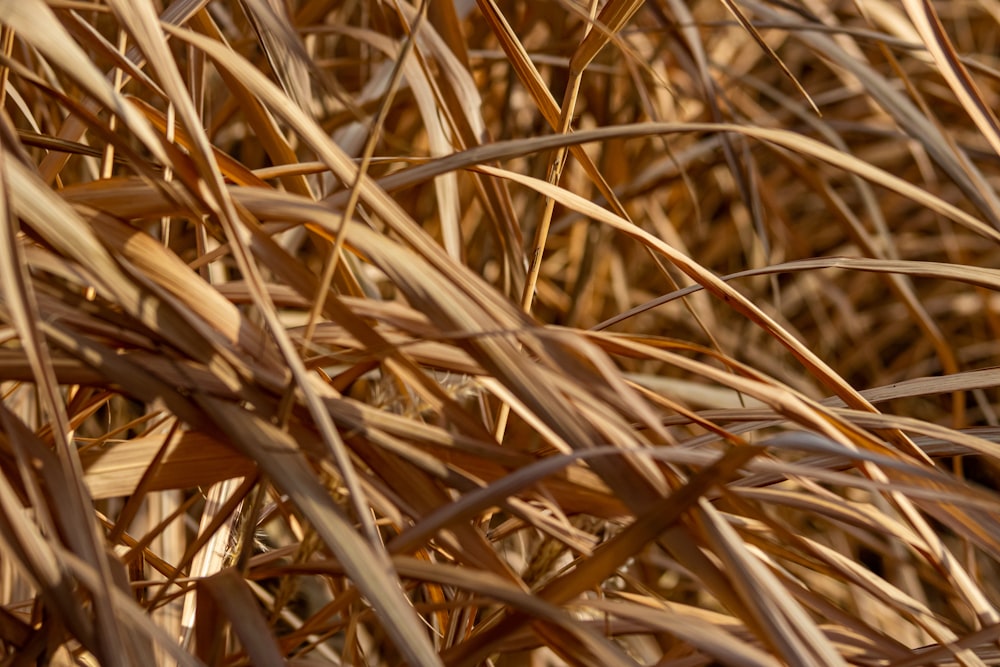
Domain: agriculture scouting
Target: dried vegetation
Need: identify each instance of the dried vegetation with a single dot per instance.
(499, 332)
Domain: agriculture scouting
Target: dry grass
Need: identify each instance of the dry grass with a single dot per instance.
(499, 333)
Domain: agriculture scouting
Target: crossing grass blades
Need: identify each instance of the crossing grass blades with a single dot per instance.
(499, 333)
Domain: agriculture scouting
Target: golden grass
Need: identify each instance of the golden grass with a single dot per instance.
(499, 333)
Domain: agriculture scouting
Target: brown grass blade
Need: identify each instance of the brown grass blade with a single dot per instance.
(959, 168)
(786, 626)
(532, 80)
(22, 312)
(35, 21)
(695, 271)
(610, 21)
(283, 48)
(233, 598)
(278, 456)
(752, 31)
(692, 626)
(789, 140)
(935, 38)
(614, 552)
(144, 27)
(194, 459)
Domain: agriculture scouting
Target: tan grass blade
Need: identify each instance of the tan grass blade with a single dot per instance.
(747, 25)
(926, 617)
(260, 120)
(555, 172)
(957, 165)
(614, 552)
(234, 599)
(446, 195)
(132, 616)
(440, 133)
(458, 90)
(532, 80)
(696, 272)
(280, 457)
(784, 139)
(144, 27)
(786, 625)
(979, 276)
(283, 48)
(74, 128)
(26, 543)
(385, 207)
(22, 312)
(610, 21)
(34, 20)
(216, 529)
(935, 38)
(691, 625)
(194, 459)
